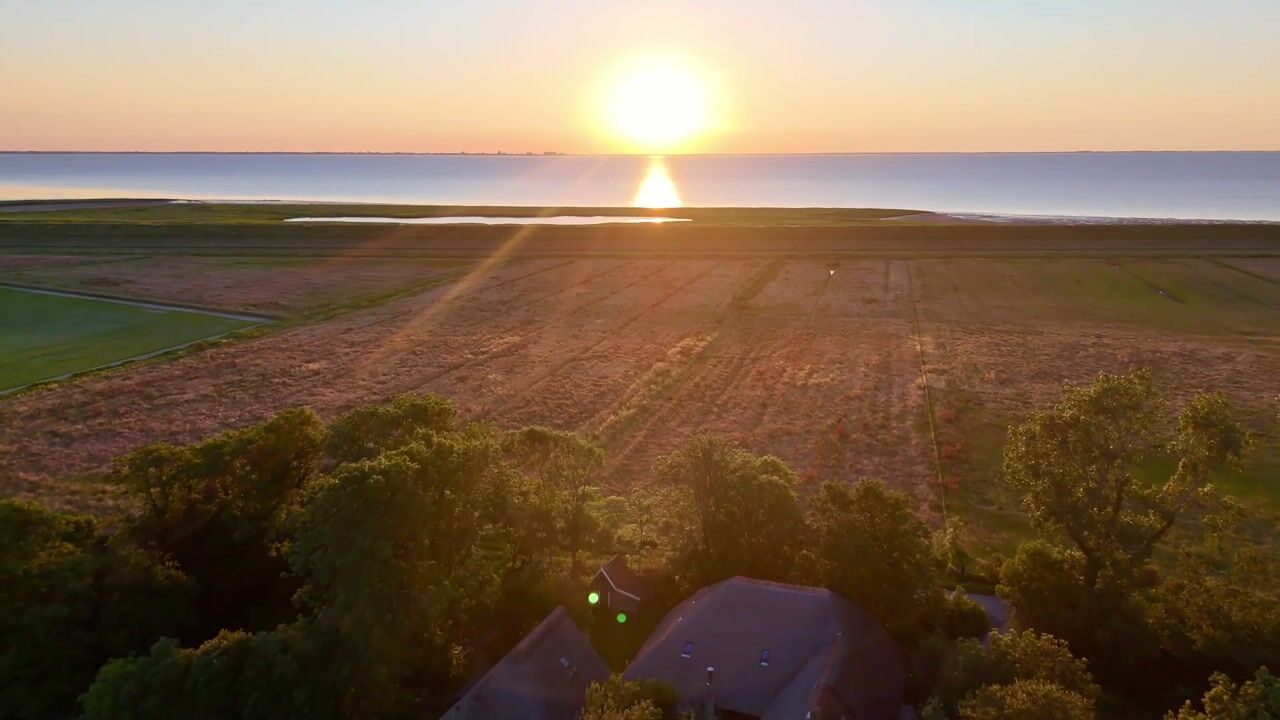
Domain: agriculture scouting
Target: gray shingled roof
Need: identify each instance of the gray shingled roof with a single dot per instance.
(532, 681)
(822, 649)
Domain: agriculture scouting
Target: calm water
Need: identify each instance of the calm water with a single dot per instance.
(1225, 185)
(491, 220)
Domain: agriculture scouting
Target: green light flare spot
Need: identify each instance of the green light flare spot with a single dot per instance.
(593, 598)
(622, 617)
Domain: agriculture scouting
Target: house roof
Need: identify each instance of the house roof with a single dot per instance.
(821, 649)
(621, 578)
(544, 677)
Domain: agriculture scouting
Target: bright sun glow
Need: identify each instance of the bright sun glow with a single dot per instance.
(657, 190)
(658, 104)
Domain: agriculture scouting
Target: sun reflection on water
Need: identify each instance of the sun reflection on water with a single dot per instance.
(657, 190)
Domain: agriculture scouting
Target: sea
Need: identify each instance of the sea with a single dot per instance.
(1157, 185)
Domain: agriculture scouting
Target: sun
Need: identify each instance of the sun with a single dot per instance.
(658, 103)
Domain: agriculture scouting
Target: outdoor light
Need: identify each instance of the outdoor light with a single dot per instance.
(622, 617)
(593, 597)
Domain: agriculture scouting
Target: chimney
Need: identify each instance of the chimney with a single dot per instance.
(709, 708)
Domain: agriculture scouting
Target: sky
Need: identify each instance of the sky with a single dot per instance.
(505, 75)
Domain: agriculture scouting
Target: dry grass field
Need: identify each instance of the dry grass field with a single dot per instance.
(14, 263)
(817, 360)
(1003, 336)
(847, 345)
(271, 285)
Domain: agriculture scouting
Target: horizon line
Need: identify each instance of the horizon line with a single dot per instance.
(551, 153)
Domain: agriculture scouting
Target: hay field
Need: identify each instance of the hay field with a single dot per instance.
(286, 286)
(816, 359)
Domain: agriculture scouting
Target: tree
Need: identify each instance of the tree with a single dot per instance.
(957, 616)
(70, 598)
(1026, 700)
(563, 467)
(399, 559)
(1045, 586)
(746, 518)
(1011, 657)
(1220, 613)
(366, 431)
(234, 676)
(653, 521)
(618, 699)
(217, 508)
(1079, 467)
(948, 548)
(402, 559)
(1256, 699)
(873, 549)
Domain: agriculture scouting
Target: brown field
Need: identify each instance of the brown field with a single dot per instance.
(12, 263)
(282, 285)
(1265, 268)
(815, 360)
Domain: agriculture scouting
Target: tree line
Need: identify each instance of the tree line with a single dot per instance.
(367, 566)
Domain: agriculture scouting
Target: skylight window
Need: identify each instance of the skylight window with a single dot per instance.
(764, 657)
(687, 651)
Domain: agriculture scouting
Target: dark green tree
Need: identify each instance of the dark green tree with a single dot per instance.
(1078, 466)
(403, 560)
(218, 508)
(956, 616)
(563, 468)
(234, 676)
(745, 517)
(366, 431)
(1220, 613)
(70, 598)
(1026, 700)
(872, 548)
(1011, 657)
(618, 699)
(1256, 699)
(1045, 583)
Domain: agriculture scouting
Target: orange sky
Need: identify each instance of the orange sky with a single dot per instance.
(798, 76)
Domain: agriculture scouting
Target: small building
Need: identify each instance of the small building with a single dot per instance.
(544, 677)
(753, 649)
(616, 587)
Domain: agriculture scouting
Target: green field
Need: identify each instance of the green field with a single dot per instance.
(46, 336)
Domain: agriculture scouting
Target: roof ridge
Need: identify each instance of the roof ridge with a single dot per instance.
(810, 589)
(552, 620)
(655, 638)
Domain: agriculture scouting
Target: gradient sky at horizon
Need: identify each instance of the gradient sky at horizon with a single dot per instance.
(488, 75)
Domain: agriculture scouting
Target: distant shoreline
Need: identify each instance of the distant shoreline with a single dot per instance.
(547, 154)
(297, 211)
(1191, 185)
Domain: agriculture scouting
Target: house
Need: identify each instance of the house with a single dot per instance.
(753, 649)
(544, 677)
(616, 587)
